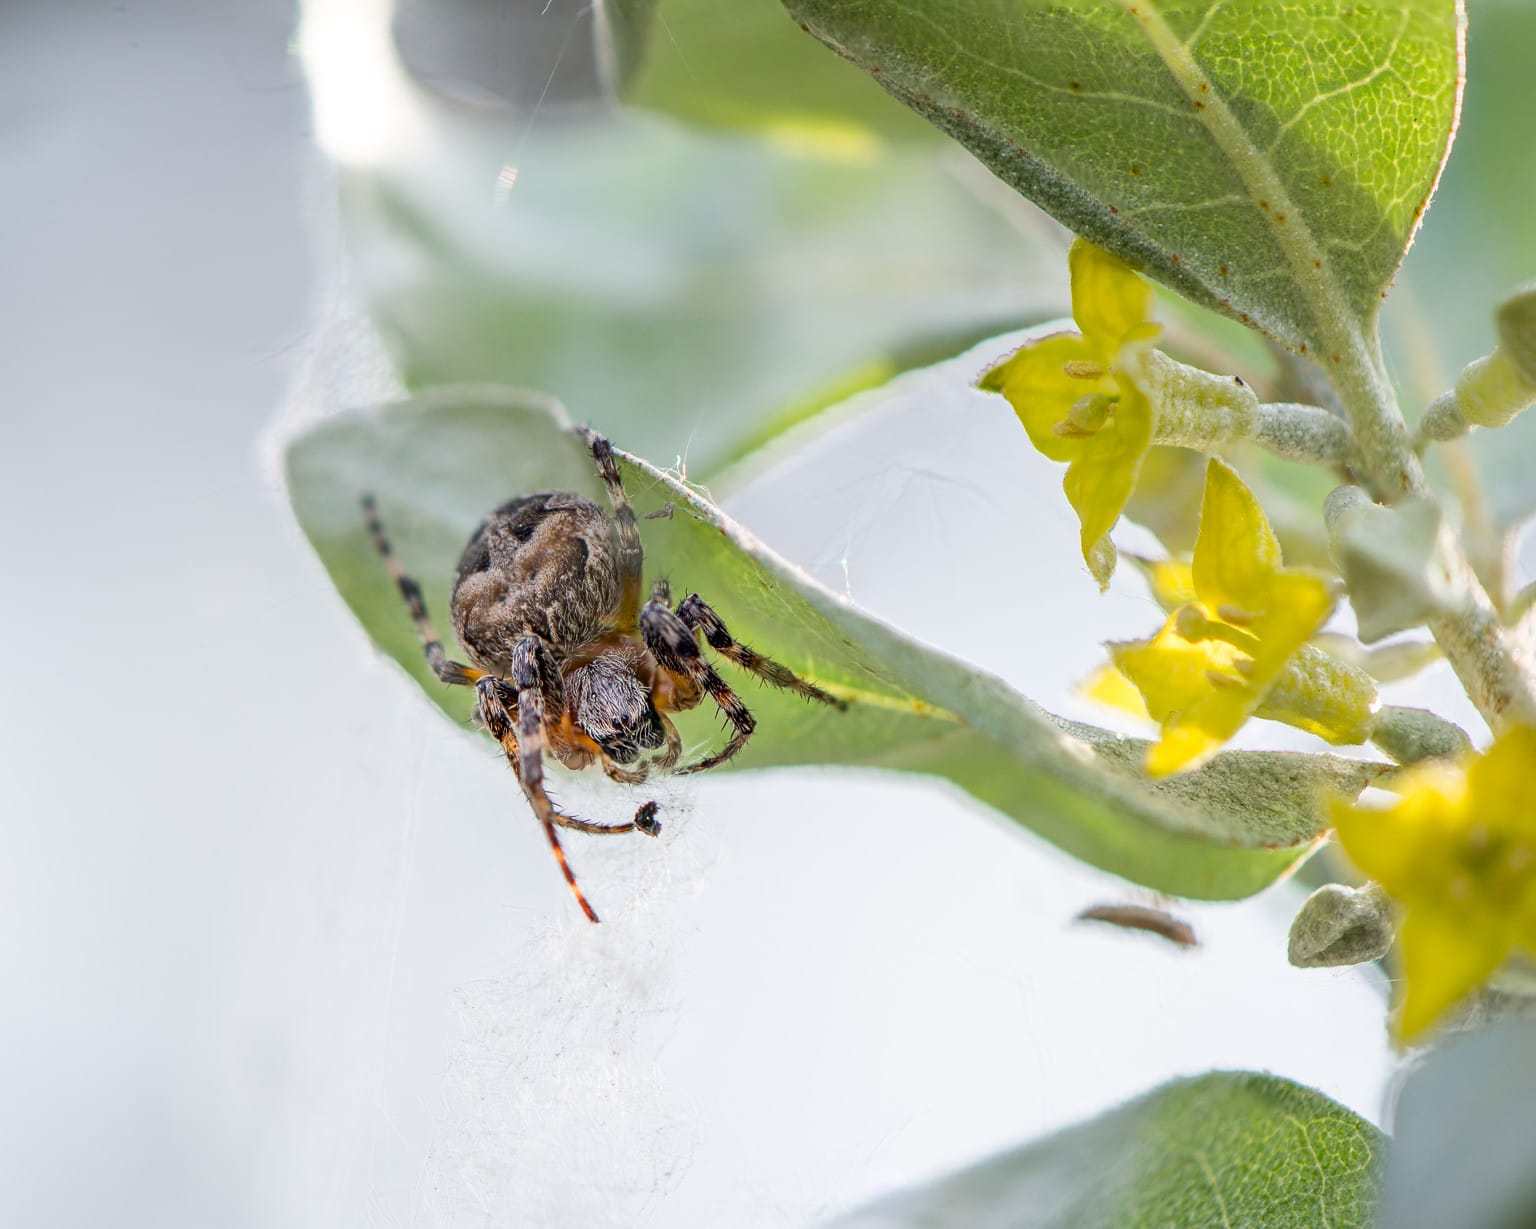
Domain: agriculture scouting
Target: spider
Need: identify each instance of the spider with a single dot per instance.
(546, 604)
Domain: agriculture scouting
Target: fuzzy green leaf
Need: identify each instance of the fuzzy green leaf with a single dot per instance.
(1269, 161)
(1214, 1152)
(439, 463)
(1388, 559)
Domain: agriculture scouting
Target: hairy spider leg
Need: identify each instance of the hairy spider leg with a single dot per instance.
(488, 689)
(509, 712)
(524, 756)
(452, 672)
(631, 552)
(671, 643)
(696, 613)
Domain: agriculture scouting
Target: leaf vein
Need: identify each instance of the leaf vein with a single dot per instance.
(1210, 1177)
(1385, 66)
(966, 52)
(1231, 198)
(1199, 31)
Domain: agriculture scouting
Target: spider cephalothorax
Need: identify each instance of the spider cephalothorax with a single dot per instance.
(546, 604)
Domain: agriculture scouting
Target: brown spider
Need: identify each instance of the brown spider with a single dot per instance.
(546, 604)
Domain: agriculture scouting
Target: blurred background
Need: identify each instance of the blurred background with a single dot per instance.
(280, 945)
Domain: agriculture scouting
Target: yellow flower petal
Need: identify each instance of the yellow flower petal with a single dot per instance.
(1175, 677)
(1408, 846)
(1212, 686)
(1170, 672)
(1215, 717)
(1042, 394)
(1109, 687)
(1109, 302)
(1296, 603)
(1181, 747)
(1171, 580)
(1236, 552)
(1502, 783)
(1103, 473)
(1446, 955)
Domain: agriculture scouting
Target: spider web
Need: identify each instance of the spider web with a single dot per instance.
(555, 1109)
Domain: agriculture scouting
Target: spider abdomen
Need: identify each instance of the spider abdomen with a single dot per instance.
(545, 565)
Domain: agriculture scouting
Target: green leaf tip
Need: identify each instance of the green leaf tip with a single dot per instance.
(1212, 1152)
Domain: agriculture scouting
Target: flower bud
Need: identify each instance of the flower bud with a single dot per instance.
(1340, 925)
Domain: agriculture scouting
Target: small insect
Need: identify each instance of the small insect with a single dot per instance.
(1143, 917)
(566, 661)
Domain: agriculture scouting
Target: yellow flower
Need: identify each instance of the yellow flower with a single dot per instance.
(1075, 395)
(1218, 657)
(1172, 581)
(1458, 853)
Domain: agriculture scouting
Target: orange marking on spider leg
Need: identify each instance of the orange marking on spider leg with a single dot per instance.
(570, 876)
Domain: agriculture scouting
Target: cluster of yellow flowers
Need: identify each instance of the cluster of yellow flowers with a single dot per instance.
(1457, 850)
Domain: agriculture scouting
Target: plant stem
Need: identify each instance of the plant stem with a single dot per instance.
(1497, 672)
(1305, 433)
(1500, 679)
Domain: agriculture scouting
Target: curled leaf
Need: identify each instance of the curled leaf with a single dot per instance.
(436, 464)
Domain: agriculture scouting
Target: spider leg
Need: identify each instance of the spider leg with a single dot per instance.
(624, 776)
(631, 552)
(519, 728)
(524, 749)
(696, 613)
(526, 759)
(645, 814)
(452, 672)
(671, 643)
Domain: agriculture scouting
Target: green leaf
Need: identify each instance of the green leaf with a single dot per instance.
(1268, 161)
(686, 289)
(1214, 1152)
(1388, 559)
(1463, 1153)
(747, 65)
(439, 463)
